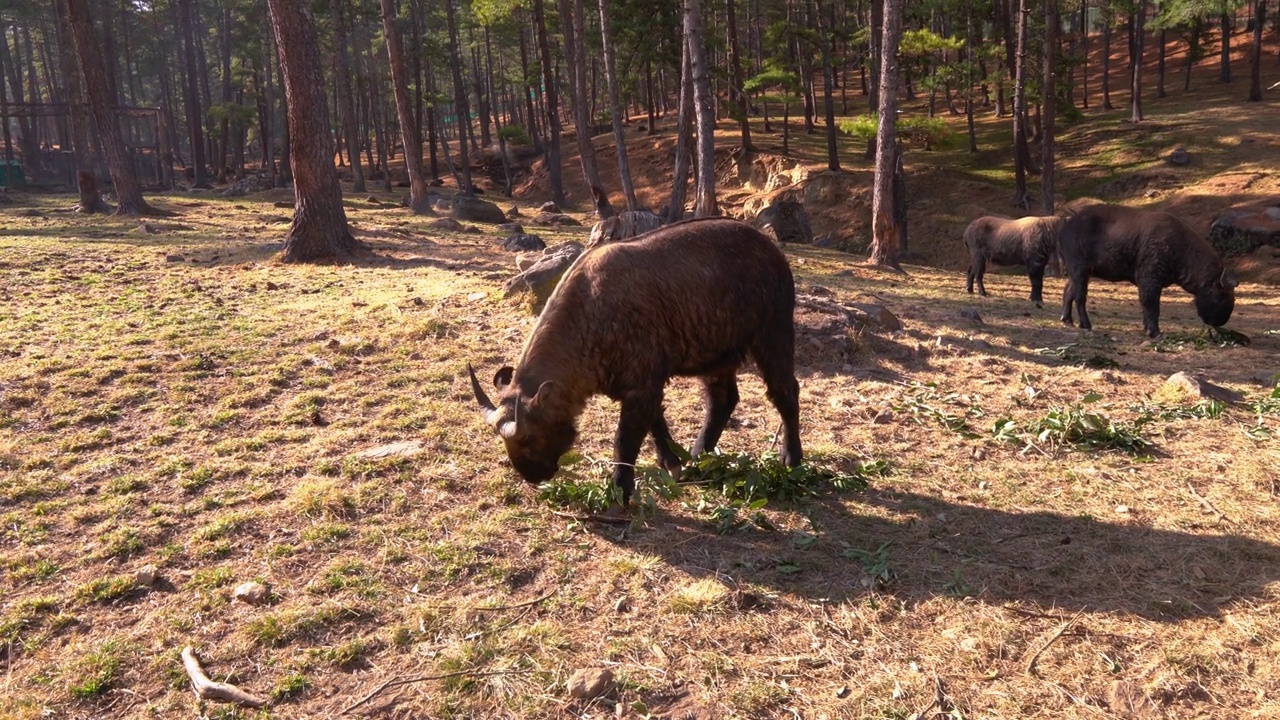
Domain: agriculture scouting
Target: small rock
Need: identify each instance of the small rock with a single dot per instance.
(251, 592)
(147, 229)
(548, 207)
(282, 204)
(373, 200)
(473, 209)
(146, 575)
(970, 314)
(1180, 157)
(878, 314)
(511, 228)
(554, 220)
(522, 243)
(524, 261)
(589, 682)
(1183, 386)
(173, 258)
(884, 417)
(446, 223)
(514, 212)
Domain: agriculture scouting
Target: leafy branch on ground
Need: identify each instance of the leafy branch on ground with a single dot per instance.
(925, 401)
(1075, 427)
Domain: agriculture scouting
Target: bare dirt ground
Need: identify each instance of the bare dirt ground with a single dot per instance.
(175, 398)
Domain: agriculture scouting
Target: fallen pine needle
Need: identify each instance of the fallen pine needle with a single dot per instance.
(210, 690)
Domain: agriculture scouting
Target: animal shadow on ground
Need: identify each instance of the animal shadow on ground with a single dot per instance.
(940, 548)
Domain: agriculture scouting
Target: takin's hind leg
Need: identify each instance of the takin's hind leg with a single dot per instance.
(720, 392)
(777, 368)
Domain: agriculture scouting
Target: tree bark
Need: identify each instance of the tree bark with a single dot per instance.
(319, 230)
(345, 101)
(576, 62)
(551, 100)
(410, 132)
(95, 77)
(1107, 21)
(526, 89)
(615, 106)
(884, 233)
(1224, 74)
(1021, 198)
(1050, 92)
(195, 118)
(735, 64)
(1255, 53)
(704, 109)
(684, 124)
(826, 37)
(462, 106)
(1139, 45)
(90, 200)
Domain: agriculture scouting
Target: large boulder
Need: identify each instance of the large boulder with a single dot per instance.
(786, 221)
(623, 227)
(542, 276)
(1241, 231)
(473, 209)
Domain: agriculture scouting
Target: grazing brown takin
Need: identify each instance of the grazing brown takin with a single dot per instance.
(1149, 248)
(696, 298)
(1028, 241)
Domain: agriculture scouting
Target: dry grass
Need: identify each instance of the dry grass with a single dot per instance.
(181, 400)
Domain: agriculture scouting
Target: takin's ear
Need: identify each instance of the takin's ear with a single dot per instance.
(502, 378)
(544, 392)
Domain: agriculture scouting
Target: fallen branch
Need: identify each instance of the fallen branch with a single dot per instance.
(495, 608)
(209, 690)
(1031, 664)
(610, 519)
(397, 682)
(1208, 506)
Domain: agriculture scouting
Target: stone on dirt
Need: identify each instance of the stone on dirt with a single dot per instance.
(786, 221)
(446, 223)
(588, 683)
(541, 277)
(623, 226)
(1183, 386)
(473, 209)
(554, 220)
(523, 243)
(251, 592)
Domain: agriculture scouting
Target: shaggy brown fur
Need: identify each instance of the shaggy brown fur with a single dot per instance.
(695, 298)
(1029, 241)
(1150, 249)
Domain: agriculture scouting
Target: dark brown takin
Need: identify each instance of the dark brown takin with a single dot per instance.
(1030, 241)
(695, 298)
(1149, 248)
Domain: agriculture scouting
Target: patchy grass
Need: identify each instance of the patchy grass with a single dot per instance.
(179, 399)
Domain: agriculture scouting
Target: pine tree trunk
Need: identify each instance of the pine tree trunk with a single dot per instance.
(319, 230)
(1050, 105)
(1224, 74)
(345, 101)
(826, 37)
(704, 109)
(550, 97)
(575, 59)
(615, 106)
(1139, 33)
(224, 140)
(95, 76)
(191, 98)
(684, 138)
(735, 63)
(1160, 67)
(410, 133)
(90, 200)
(1255, 53)
(884, 233)
(1021, 198)
(462, 106)
(1107, 21)
(526, 90)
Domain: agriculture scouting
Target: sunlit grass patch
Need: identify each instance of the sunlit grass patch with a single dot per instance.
(704, 595)
(97, 670)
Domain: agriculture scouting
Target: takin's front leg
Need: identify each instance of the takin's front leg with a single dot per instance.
(720, 392)
(1037, 284)
(638, 416)
(666, 446)
(1149, 298)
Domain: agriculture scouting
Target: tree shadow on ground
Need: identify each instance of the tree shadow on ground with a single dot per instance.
(938, 548)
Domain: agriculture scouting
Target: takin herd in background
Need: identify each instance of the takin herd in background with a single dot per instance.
(699, 297)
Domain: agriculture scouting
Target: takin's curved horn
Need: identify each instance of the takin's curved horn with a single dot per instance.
(485, 403)
(1228, 280)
